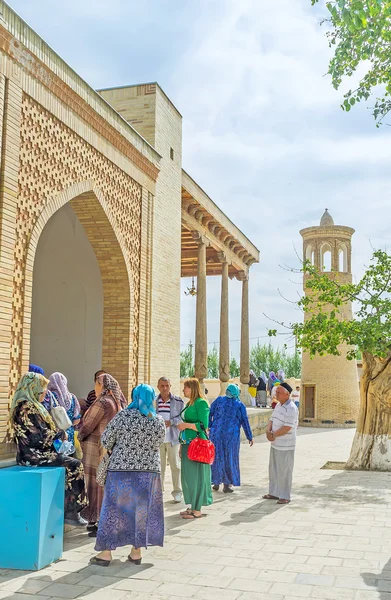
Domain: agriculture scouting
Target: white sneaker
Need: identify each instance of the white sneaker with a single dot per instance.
(178, 498)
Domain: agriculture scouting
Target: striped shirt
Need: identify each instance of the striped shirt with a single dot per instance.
(164, 410)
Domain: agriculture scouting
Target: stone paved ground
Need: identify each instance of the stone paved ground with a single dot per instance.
(332, 542)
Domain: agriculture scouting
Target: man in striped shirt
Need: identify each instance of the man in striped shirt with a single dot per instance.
(170, 407)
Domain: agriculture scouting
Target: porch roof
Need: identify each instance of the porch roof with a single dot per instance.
(201, 215)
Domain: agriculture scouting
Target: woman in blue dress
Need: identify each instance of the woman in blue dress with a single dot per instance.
(227, 415)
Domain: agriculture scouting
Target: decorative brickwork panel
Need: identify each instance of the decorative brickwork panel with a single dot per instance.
(53, 158)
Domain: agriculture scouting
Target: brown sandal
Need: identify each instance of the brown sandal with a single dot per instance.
(270, 497)
(282, 501)
(188, 511)
(191, 515)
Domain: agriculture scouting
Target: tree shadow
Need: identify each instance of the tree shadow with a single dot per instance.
(350, 488)
(381, 581)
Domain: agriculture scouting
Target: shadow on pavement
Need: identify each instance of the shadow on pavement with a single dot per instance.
(380, 582)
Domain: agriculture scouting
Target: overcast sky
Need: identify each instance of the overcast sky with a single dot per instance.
(263, 132)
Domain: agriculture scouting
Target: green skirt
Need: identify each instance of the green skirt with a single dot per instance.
(196, 482)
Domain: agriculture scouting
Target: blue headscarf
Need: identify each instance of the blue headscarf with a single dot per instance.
(143, 400)
(232, 391)
(36, 369)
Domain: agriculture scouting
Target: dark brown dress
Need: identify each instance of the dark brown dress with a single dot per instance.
(94, 423)
(34, 440)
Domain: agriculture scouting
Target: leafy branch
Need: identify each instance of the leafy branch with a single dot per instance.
(360, 33)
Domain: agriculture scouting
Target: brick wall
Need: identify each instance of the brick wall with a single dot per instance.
(152, 114)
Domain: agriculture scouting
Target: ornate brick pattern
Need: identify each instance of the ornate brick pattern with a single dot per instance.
(53, 158)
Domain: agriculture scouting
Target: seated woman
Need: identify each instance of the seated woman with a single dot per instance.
(227, 415)
(35, 432)
(132, 511)
(49, 400)
(58, 386)
(196, 476)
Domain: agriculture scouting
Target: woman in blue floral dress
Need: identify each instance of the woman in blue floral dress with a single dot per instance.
(132, 511)
(227, 415)
(58, 386)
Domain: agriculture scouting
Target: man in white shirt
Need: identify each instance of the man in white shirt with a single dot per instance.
(295, 396)
(281, 432)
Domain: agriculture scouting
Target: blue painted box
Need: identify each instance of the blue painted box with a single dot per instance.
(31, 516)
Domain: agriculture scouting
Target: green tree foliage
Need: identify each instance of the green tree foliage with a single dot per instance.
(187, 364)
(325, 327)
(234, 368)
(263, 357)
(359, 31)
(213, 363)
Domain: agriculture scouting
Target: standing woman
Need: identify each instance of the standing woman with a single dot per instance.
(34, 433)
(196, 476)
(261, 390)
(132, 511)
(58, 386)
(105, 407)
(227, 415)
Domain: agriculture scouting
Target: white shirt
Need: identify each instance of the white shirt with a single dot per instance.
(285, 415)
(295, 396)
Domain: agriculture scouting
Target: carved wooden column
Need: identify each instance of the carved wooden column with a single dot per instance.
(245, 340)
(224, 326)
(201, 341)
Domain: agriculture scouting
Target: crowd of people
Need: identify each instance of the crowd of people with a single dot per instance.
(263, 389)
(115, 453)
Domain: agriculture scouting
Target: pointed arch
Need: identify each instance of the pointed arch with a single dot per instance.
(102, 231)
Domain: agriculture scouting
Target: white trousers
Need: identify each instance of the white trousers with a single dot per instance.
(170, 454)
(280, 473)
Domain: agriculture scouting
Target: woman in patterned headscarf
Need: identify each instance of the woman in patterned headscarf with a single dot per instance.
(58, 386)
(35, 432)
(132, 511)
(109, 401)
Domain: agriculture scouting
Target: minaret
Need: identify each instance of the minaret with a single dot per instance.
(330, 390)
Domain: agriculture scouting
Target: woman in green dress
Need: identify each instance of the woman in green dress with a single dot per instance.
(196, 476)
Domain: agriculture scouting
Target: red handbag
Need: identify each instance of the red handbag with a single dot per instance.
(202, 451)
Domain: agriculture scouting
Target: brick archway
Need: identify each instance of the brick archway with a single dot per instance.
(106, 239)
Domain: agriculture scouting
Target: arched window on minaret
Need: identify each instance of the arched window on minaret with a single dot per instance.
(343, 259)
(325, 258)
(310, 254)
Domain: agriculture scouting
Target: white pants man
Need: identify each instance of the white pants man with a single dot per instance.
(170, 454)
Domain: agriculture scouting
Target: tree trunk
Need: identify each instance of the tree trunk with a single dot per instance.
(371, 449)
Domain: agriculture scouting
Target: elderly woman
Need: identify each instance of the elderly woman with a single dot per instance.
(132, 511)
(98, 416)
(227, 415)
(196, 476)
(58, 386)
(35, 433)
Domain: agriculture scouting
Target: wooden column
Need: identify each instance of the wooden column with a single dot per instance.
(224, 326)
(201, 341)
(245, 340)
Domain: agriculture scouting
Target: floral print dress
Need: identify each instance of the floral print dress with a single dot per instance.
(34, 439)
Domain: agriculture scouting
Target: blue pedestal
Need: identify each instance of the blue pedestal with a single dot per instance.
(31, 516)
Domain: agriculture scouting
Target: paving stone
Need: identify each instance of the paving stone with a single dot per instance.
(64, 590)
(214, 594)
(183, 590)
(332, 593)
(308, 579)
(355, 583)
(137, 585)
(293, 589)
